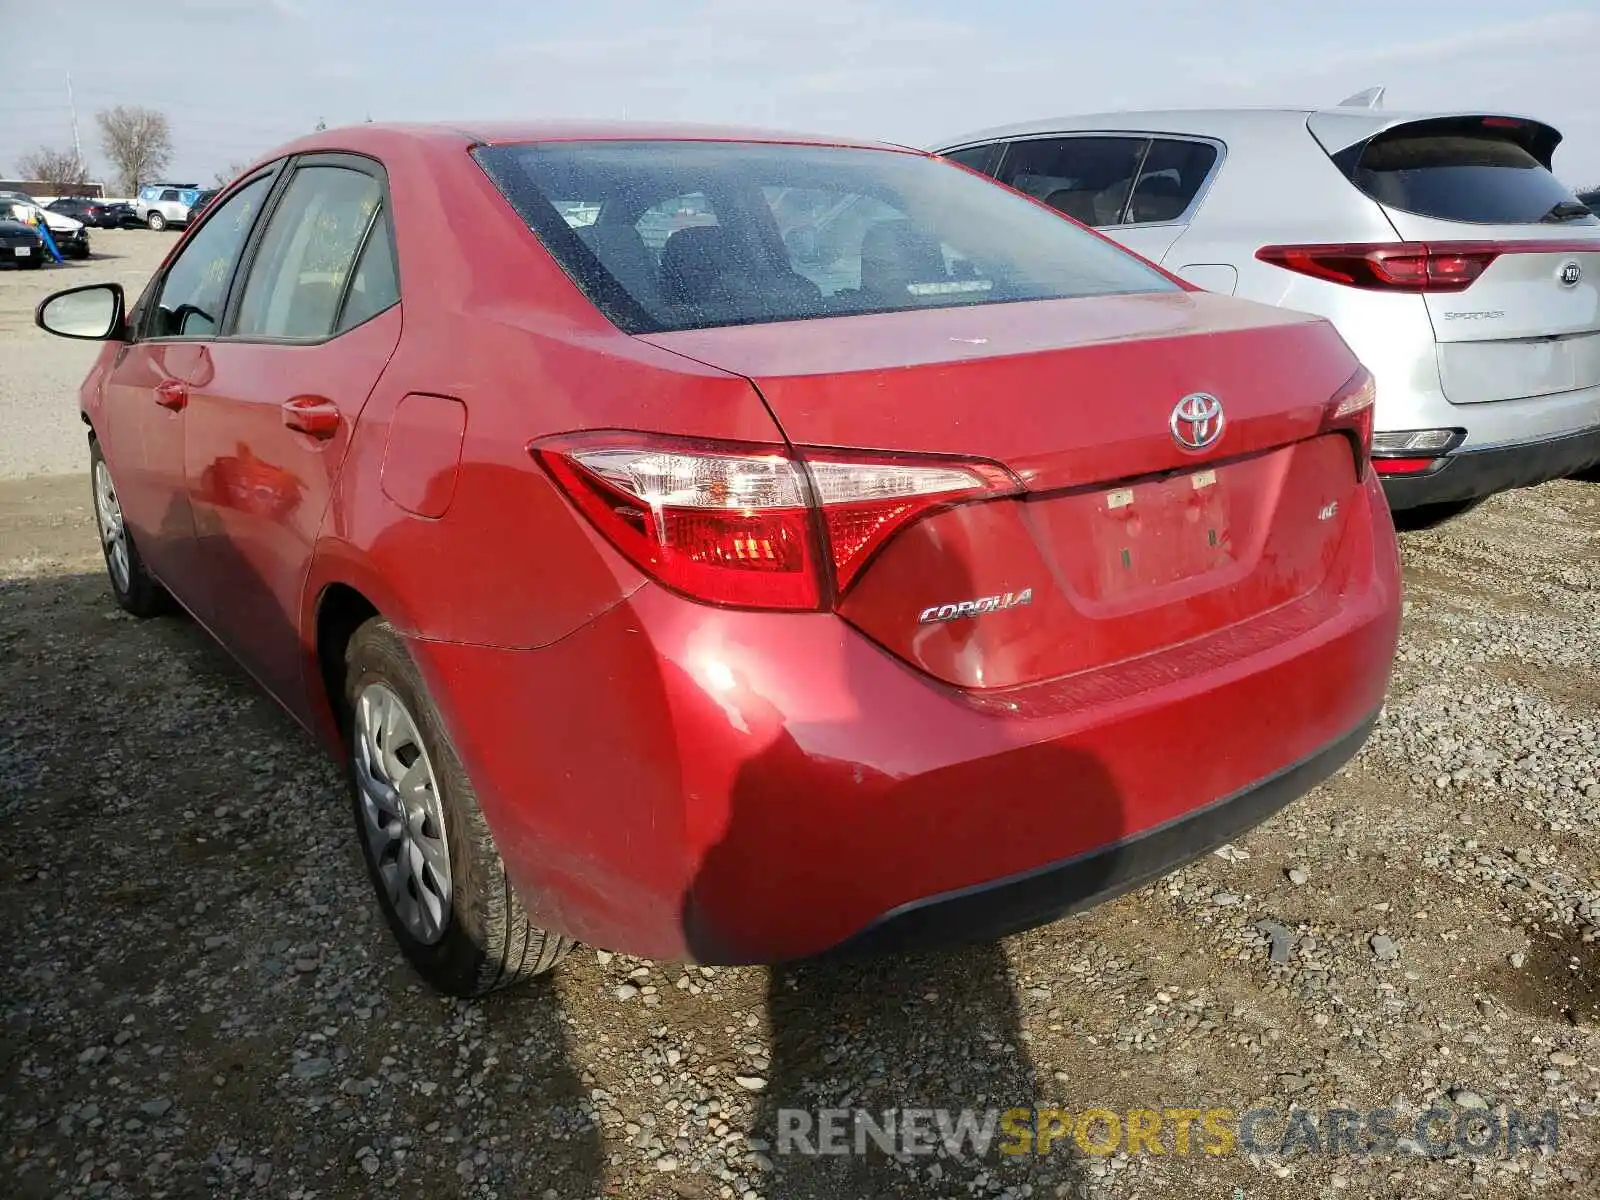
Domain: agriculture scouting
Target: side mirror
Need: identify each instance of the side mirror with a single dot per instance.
(92, 313)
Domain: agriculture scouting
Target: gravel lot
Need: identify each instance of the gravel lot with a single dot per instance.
(40, 374)
(199, 998)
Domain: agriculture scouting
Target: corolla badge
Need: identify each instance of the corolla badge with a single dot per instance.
(1197, 421)
(1571, 272)
(974, 608)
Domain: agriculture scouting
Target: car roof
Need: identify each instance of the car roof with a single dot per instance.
(1337, 126)
(373, 137)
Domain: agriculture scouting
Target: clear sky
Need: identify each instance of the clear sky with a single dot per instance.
(237, 77)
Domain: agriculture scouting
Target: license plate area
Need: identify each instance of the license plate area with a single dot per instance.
(1158, 532)
(24, 251)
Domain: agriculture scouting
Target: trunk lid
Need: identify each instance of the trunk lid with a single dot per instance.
(1123, 542)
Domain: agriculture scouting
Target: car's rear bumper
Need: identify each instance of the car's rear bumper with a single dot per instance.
(1005, 906)
(1472, 474)
(679, 781)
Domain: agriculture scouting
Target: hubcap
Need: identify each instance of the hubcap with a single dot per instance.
(113, 535)
(400, 811)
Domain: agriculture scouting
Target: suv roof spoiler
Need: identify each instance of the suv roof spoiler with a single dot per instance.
(1340, 128)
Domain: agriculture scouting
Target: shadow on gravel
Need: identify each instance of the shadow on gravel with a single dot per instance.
(857, 1041)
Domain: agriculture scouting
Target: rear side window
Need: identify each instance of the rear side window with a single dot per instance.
(979, 158)
(1169, 180)
(1088, 178)
(687, 235)
(375, 286)
(1455, 172)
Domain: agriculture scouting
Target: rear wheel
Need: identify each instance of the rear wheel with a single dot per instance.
(132, 584)
(432, 860)
(156, 221)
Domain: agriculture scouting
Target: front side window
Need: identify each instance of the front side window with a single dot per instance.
(688, 235)
(306, 256)
(1088, 178)
(194, 290)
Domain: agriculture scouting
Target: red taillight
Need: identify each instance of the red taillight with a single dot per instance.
(1394, 266)
(735, 524)
(1407, 266)
(1351, 411)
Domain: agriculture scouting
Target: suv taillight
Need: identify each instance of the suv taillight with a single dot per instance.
(1388, 266)
(754, 526)
(1407, 266)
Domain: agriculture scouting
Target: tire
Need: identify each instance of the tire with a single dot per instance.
(467, 935)
(156, 221)
(135, 589)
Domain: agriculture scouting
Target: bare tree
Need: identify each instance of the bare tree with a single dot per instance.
(59, 170)
(138, 141)
(229, 173)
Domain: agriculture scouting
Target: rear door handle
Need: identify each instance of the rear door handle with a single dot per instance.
(172, 394)
(312, 415)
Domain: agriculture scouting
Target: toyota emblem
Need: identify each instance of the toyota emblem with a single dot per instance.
(1197, 421)
(1571, 272)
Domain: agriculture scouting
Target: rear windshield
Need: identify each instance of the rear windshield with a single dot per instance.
(687, 235)
(1477, 176)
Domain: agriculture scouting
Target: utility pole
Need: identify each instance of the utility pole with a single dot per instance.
(77, 146)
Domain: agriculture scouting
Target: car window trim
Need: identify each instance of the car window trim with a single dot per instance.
(1151, 136)
(347, 160)
(147, 303)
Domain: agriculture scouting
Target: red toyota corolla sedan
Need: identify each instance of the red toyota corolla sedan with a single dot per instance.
(739, 547)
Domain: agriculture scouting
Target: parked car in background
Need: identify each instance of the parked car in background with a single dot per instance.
(668, 599)
(1591, 200)
(159, 205)
(80, 208)
(20, 245)
(70, 236)
(1439, 244)
(206, 196)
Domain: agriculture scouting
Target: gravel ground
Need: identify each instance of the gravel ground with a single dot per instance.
(40, 374)
(199, 998)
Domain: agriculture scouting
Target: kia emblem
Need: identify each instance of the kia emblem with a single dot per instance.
(1197, 421)
(1571, 272)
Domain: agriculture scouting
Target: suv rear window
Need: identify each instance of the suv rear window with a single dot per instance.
(688, 235)
(1459, 171)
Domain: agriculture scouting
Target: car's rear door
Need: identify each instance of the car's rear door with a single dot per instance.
(141, 423)
(1523, 318)
(311, 324)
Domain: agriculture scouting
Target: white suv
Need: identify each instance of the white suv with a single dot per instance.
(161, 204)
(1458, 269)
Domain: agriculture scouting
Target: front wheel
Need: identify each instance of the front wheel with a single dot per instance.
(134, 588)
(432, 860)
(156, 221)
